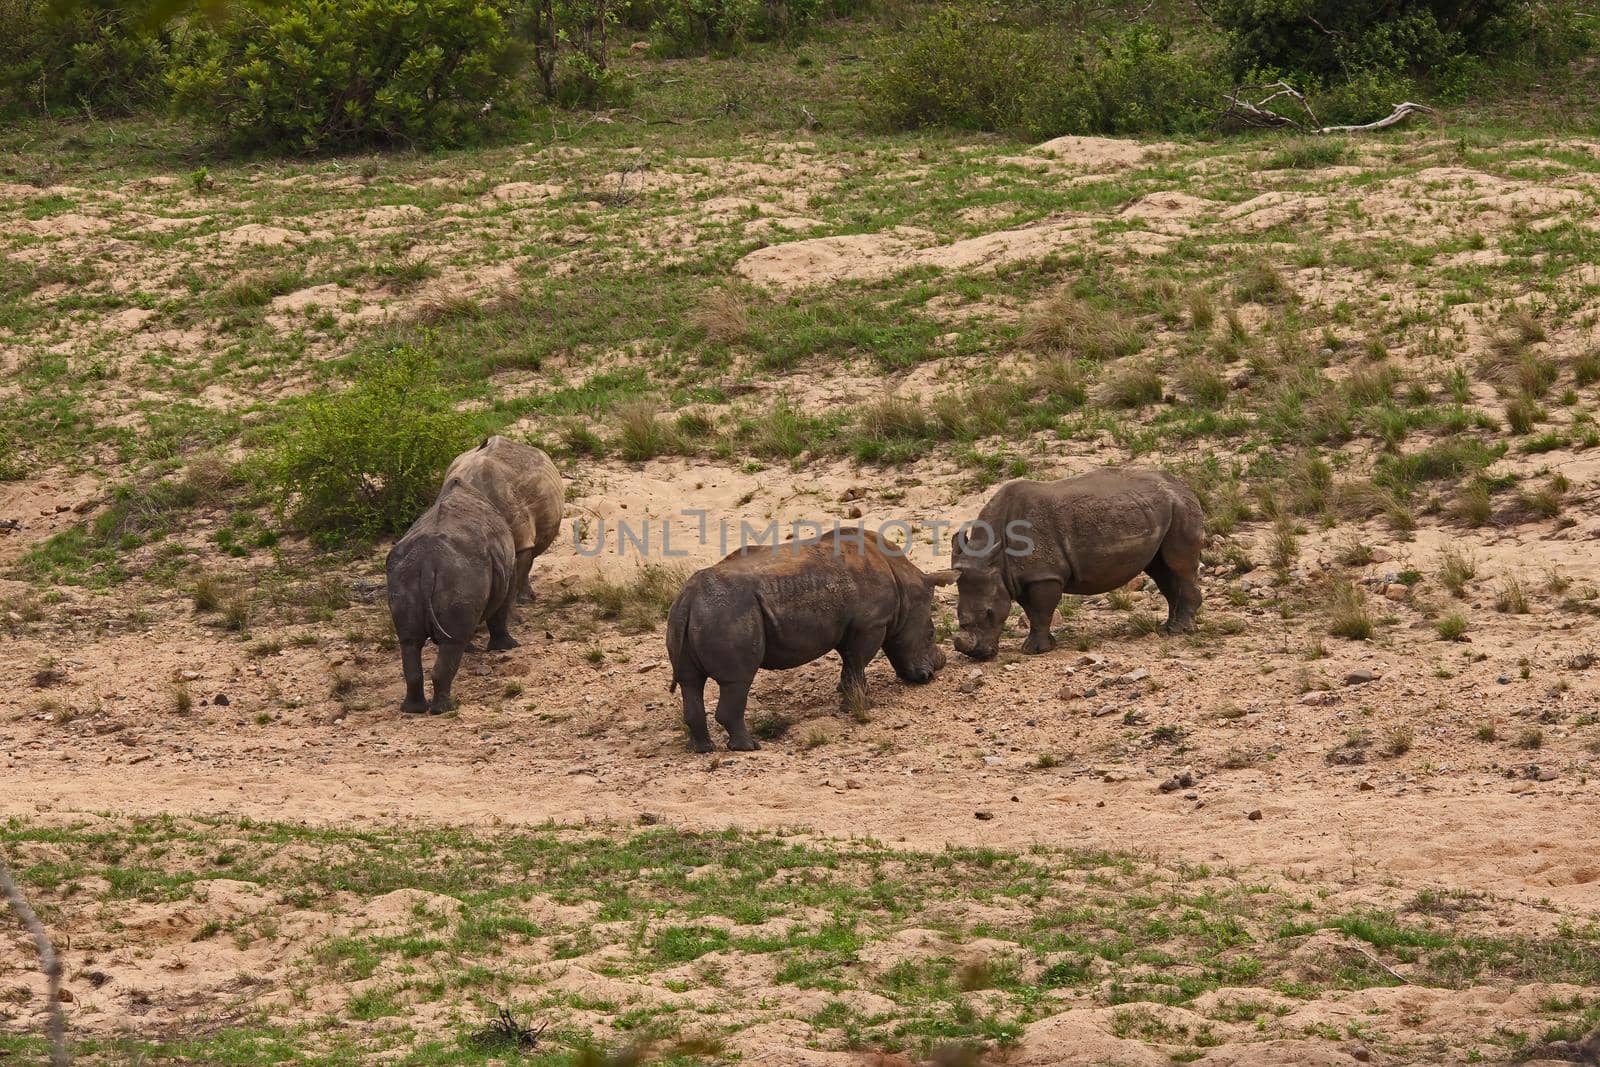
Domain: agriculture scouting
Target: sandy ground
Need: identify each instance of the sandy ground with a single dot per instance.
(596, 737)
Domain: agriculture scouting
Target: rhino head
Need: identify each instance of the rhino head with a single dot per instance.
(983, 602)
(914, 650)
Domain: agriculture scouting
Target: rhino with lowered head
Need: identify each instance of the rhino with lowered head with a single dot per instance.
(523, 485)
(1034, 541)
(452, 571)
(782, 606)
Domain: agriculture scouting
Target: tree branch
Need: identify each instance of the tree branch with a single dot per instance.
(47, 963)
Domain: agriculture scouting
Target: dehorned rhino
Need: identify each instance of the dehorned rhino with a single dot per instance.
(523, 485)
(451, 571)
(781, 606)
(1034, 541)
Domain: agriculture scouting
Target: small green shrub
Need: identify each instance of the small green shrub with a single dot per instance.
(970, 69)
(726, 25)
(314, 75)
(367, 461)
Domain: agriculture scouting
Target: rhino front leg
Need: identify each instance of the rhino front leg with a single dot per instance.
(694, 714)
(444, 676)
(416, 701)
(1039, 602)
(521, 584)
(854, 655)
(732, 697)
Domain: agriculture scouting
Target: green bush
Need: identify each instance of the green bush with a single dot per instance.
(707, 25)
(313, 75)
(98, 58)
(367, 461)
(961, 68)
(1358, 58)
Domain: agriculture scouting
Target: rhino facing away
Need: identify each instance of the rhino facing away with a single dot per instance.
(451, 571)
(781, 606)
(1035, 541)
(523, 485)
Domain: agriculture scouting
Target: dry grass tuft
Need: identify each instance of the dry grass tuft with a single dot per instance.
(724, 316)
(1066, 325)
(638, 602)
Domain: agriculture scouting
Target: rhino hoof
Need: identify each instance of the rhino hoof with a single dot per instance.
(743, 744)
(414, 707)
(701, 746)
(503, 644)
(1038, 648)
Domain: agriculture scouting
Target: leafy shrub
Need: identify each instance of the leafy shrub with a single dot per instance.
(367, 461)
(961, 68)
(312, 75)
(706, 25)
(101, 58)
(570, 41)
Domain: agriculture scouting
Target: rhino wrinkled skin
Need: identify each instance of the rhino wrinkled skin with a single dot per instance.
(523, 485)
(1084, 535)
(453, 570)
(781, 606)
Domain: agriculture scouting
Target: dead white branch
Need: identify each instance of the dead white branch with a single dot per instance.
(1251, 106)
(1401, 113)
(47, 963)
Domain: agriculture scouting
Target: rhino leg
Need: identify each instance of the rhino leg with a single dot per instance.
(520, 582)
(1181, 586)
(445, 666)
(732, 696)
(854, 654)
(694, 713)
(416, 701)
(1039, 602)
(500, 637)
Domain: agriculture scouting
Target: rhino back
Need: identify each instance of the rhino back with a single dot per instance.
(521, 483)
(1098, 530)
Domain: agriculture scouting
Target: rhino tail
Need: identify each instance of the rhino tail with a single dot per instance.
(431, 579)
(677, 638)
(766, 612)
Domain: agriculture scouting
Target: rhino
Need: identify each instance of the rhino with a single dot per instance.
(523, 485)
(1034, 541)
(453, 570)
(784, 605)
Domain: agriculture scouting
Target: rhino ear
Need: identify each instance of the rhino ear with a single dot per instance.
(938, 578)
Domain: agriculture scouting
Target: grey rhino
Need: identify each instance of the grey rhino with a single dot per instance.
(1034, 541)
(781, 606)
(451, 571)
(523, 485)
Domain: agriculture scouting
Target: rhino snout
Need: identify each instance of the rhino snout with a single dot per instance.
(970, 647)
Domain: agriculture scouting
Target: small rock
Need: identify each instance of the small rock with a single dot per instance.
(1381, 555)
(1365, 787)
(1504, 679)
(648, 665)
(1255, 815)
(855, 512)
(1360, 676)
(993, 761)
(1176, 782)
(971, 685)
(222, 700)
(1360, 1053)
(983, 816)
(66, 995)
(648, 818)
(1138, 675)
(1319, 698)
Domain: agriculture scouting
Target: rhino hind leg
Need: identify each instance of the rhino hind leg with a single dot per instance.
(1039, 603)
(694, 713)
(445, 666)
(1180, 584)
(416, 701)
(732, 697)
